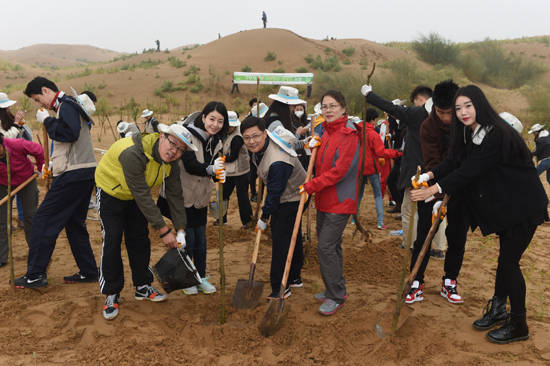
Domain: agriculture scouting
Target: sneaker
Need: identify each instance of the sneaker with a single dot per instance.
(78, 278)
(394, 209)
(448, 291)
(148, 292)
(297, 283)
(110, 309)
(437, 254)
(352, 222)
(396, 233)
(191, 290)
(381, 226)
(329, 307)
(392, 203)
(27, 282)
(416, 293)
(206, 287)
(254, 198)
(321, 296)
(274, 295)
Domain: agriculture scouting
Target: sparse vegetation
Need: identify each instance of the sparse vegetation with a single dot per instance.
(301, 69)
(436, 50)
(271, 56)
(328, 64)
(176, 62)
(246, 68)
(539, 108)
(279, 70)
(348, 51)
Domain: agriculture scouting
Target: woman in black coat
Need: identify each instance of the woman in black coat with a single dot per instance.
(490, 161)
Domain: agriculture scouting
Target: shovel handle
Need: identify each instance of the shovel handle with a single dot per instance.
(258, 234)
(19, 187)
(297, 224)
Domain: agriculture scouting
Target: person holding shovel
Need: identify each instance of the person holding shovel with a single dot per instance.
(124, 178)
(66, 204)
(21, 169)
(335, 186)
(489, 161)
(282, 173)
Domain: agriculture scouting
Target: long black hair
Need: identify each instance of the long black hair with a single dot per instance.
(279, 111)
(513, 149)
(209, 108)
(7, 119)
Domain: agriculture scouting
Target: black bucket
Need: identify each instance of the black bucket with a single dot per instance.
(175, 271)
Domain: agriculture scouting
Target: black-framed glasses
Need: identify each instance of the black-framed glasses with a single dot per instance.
(174, 146)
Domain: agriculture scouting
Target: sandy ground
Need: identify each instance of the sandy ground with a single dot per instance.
(62, 323)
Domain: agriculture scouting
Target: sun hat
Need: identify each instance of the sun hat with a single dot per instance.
(146, 113)
(287, 95)
(178, 131)
(233, 119)
(284, 138)
(512, 121)
(263, 110)
(535, 128)
(6, 102)
(317, 109)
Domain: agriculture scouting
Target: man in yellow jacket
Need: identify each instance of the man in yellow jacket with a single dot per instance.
(124, 178)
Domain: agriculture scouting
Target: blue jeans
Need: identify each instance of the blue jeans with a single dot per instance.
(374, 180)
(544, 166)
(195, 238)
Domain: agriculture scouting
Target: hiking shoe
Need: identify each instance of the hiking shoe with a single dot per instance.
(148, 292)
(329, 307)
(110, 309)
(297, 283)
(395, 209)
(381, 226)
(191, 290)
(206, 287)
(321, 296)
(28, 282)
(437, 254)
(392, 203)
(416, 293)
(79, 277)
(448, 291)
(274, 295)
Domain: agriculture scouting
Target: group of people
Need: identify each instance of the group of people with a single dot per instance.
(466, 150)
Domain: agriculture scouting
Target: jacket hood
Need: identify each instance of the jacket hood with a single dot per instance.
(342, 124)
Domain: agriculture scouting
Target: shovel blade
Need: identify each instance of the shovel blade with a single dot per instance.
(247, 294)
(274, 317)
(384, 322)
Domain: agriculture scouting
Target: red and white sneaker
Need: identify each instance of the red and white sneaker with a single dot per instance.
(416, 293)
(448, 291)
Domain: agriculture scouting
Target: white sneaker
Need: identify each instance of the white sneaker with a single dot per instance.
(206, 287)
(190, 290)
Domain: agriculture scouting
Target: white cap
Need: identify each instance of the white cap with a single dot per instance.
(233, 119)
(535, 128)
(6, 102)
(178, 131)
(146, 113)
(512, 121)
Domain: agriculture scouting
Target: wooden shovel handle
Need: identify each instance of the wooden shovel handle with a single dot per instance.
(19, 187)
(297, 223)
(258, 234)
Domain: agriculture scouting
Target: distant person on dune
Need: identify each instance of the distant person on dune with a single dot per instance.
(264, 18)
(158, 45)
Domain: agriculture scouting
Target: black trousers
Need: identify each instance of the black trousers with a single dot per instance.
(122, 217)
(65, 206)
(241, 182)
(393, 177)
(282, 224)
(458, 224)
(252, 177)
(423, 227)
(509, 279)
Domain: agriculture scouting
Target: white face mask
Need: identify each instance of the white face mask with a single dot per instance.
(299, 114)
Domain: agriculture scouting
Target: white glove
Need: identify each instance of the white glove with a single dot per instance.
(180, 238)
(424, 177)
(219, 164)
(437, 205)
(314, 142)
(366, 89)
(220, 175)
(261, 225)
(435, 211)
(42, 114)
(122, 127)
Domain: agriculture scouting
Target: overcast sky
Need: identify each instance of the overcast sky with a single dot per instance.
(132, 25)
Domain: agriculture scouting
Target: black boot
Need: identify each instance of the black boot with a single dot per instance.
(514, 329)
(494, 314)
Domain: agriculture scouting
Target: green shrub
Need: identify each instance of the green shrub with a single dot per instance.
(539, 108)
(346, 61)
(435, 50)
(279, 70)
(176, 62)
(348, 51)
(246, 68)
(192, 70)
(80, 74)
(327, 50)
(301, 69)
(271, 56)
(196, 88)
(309, 58)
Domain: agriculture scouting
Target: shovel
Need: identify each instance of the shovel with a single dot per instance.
(248, 292)
(276, 310)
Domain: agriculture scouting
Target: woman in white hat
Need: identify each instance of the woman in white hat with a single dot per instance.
(9, 123)
(281, 110)
(237, 168)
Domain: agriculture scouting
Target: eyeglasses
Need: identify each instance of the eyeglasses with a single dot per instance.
(251, 138)
(174, 146)
(330, 106)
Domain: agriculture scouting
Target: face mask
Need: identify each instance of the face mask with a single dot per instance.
(299, 114)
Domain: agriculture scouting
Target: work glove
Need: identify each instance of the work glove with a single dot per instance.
(180, 238)
(46, 171)
(313, 142)
(366, 89)
(261, 225)
(219, 163)
(122, 127)
(220, 175)
(302, 190)
(42, 114)
(382, 161)
(421, 182)
(435, 210)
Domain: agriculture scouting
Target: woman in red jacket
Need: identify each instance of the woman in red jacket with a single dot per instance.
(335, 185)
(21, 168)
